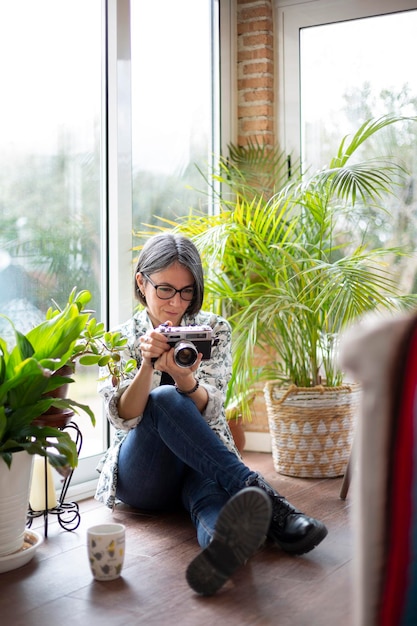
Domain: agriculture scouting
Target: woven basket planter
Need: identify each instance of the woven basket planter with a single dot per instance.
(311, 428)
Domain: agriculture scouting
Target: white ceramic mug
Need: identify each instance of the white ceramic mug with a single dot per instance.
(106, 550)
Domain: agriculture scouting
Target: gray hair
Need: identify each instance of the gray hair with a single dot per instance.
(160, 252)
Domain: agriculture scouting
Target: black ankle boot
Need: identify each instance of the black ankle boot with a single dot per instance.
(240, 530)
(290, 529)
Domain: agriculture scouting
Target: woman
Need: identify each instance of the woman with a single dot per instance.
(173, 444)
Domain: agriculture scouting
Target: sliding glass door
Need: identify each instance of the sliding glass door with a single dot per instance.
(108, 113)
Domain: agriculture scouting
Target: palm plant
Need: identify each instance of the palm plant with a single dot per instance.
(281, 269)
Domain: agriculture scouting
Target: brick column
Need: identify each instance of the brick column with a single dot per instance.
(255, 61)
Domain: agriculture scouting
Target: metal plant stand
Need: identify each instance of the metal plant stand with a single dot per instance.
(67, 512)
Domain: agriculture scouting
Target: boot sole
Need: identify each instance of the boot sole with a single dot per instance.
(240, 530)
(306, 544)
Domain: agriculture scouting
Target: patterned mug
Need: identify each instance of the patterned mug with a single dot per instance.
(106, 550)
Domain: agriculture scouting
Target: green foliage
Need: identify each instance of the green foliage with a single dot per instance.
(397, 226)
(283, 270)
(30, 369)
(254, 170)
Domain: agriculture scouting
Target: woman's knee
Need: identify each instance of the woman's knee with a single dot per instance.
(164, 397)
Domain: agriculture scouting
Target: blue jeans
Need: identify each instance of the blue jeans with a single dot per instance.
(173, 456)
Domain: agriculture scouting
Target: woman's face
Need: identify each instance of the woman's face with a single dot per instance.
(161, 311)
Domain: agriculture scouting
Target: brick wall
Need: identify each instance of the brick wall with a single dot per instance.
(255, 50)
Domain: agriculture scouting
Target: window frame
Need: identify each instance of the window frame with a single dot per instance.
(116, 202)
(293, 15)
(117, 166)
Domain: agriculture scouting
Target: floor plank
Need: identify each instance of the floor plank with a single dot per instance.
(272, 589)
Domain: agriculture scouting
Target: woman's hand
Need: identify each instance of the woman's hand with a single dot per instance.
(152, 346)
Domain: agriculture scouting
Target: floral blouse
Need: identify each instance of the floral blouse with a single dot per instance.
(213, 374)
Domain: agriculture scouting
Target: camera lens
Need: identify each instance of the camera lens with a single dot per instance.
(185, 354)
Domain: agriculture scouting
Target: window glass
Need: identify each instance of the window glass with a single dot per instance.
(50, 190)
(341, 91)
(171, 106)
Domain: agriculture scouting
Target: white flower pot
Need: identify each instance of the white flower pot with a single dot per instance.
(14, 499)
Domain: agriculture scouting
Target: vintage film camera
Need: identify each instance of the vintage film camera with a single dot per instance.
(188, 341)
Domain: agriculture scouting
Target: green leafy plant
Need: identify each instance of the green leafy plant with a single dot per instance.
(283, 271)
(30, 374)
(95, 345)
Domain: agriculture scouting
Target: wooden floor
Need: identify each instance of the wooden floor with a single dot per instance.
(272, 588)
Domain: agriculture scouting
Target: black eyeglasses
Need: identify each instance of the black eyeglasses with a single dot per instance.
(166, 292)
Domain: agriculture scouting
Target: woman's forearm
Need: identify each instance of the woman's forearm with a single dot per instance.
(132, 402)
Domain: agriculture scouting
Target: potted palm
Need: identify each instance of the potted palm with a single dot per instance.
(29, 382)
(283, 270)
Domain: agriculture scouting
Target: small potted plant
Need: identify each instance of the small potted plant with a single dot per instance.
(29, 383)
